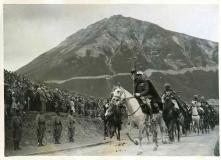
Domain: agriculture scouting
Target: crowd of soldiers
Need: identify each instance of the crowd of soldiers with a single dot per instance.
(22, 95)
(25, 95)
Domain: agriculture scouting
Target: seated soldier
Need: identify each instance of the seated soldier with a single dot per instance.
(141, 92)
(204, 103)
(196, 106)
(145, 93)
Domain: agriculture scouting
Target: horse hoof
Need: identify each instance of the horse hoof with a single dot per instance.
(136, 142)
(140, 152)
(155, 148)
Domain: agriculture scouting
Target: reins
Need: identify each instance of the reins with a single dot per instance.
(126, 99)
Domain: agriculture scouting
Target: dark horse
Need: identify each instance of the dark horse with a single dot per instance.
(114, 120)
(171, 117)
(187, 116)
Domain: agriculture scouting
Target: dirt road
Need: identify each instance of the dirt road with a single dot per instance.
(192, 145)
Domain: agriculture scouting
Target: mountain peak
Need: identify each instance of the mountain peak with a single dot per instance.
(109, 42)
(117, 16)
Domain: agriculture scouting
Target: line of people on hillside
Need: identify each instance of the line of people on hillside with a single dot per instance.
(23, 94)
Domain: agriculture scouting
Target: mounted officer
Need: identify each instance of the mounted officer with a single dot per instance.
(149, 101)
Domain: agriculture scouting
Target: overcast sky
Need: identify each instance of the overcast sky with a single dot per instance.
(30, 30)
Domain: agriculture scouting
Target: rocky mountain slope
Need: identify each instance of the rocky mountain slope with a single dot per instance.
(103, 48)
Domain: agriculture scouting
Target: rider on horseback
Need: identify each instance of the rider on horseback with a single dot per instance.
(171, 94)
(204, 103)
(149, 101)
(196, 101)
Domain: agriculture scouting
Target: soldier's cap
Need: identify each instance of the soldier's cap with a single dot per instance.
(133, 71)
(139, 73)
(166, 85)
(195, 96)
(202, 97)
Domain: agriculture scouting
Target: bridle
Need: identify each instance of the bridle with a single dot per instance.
(125, 99)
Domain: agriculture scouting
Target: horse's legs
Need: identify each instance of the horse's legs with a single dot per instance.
(178, 130)
(140, 136)
(147, 132)
(128, 134)
(118, 133)
(198, 126)
(194, 126)
(171, 131)
(162, 129)
(147, 127)
(162, 133)
(155, 140)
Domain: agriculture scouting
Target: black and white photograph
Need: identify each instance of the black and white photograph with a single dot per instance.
(110, 79)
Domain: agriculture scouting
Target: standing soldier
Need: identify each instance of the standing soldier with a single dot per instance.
(57, 127)
(42, 99)
(71, 126)
(72, 104)
(16, 129)
(40, 121)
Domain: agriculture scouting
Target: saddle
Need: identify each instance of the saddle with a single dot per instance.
(144, 104)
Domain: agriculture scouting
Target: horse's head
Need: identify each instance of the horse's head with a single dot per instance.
(110, 111)
(117, 92)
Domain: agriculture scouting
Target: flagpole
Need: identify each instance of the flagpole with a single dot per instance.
(133, 66)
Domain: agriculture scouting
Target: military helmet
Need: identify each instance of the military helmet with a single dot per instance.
(167, 86)
(139, 73)
(202, 97)
(196, 96)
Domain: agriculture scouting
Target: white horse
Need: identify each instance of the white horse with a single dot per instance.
(195, 118)
(135, 115)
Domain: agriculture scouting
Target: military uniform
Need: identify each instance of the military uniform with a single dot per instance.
(42, 99)
(71, 127)
(57, 124)
(41, 127)
(147, 95)
(16, 130)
